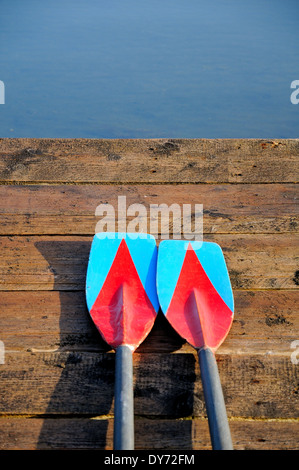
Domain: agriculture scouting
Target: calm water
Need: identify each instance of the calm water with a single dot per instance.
(155, 68)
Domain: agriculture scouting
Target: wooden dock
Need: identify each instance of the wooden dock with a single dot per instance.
(57, 376)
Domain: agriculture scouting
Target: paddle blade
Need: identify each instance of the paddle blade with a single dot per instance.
(194, 291)
(121, 287)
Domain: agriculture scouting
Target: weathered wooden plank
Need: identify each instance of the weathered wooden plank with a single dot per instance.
(256, 225)
(260, 386)
(149, 160)
(60, 263)
(97, 434)
(265, 322)
(70, 209)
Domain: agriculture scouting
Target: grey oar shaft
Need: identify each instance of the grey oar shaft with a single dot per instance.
(123, 400)
(215, 405)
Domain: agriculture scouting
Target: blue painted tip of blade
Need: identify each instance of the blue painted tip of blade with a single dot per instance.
(170, 260)
(143, 251)
(125, 235)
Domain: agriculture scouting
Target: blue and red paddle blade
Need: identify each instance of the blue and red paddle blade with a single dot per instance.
(121, 291)
(194, 291)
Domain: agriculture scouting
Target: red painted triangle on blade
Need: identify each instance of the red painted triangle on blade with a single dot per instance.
(196, 311)
(122, 311)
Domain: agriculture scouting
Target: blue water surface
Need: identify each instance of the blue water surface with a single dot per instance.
(144, 69)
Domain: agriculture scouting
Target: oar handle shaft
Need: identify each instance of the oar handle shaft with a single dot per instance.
(123, 400)
(215, 405)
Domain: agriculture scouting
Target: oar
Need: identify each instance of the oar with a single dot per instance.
(196, 297)
(122, 301)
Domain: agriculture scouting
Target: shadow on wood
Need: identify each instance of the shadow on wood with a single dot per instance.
(85, 385)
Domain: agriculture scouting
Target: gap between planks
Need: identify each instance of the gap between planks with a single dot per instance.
(143, 417)
(139, 183)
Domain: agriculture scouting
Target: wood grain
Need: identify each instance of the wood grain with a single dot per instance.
(158, 434)
(149, 160)
(56, 383)
(70, 209)
(60, 263)
(265, 322)
(164, 384)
